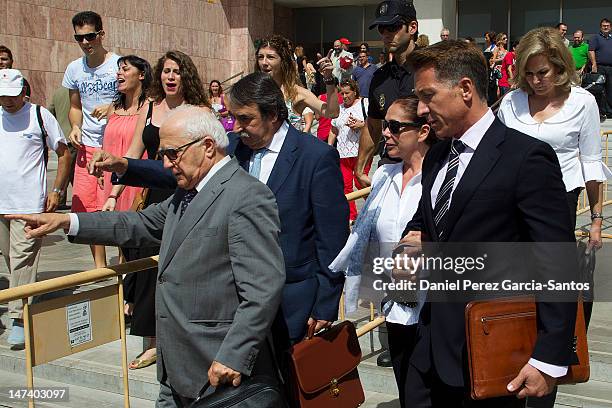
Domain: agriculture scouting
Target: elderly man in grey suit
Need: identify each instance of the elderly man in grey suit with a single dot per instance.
(221, 269)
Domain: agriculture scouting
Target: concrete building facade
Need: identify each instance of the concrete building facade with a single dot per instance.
(219, 34)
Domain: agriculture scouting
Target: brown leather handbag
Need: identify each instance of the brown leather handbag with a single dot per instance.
(501, 335)
(140, 200)
(324, 369)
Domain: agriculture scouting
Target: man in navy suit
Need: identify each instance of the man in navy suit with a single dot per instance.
(485, 183)
(304, 175)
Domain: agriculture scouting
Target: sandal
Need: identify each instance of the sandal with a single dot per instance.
(138, 362)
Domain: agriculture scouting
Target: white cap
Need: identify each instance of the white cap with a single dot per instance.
(11, 82)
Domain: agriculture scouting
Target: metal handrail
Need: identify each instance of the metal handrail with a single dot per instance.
(232, 77)
(76, 279)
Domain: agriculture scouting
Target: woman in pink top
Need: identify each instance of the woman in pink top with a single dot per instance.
(507, 70)
(133, 80)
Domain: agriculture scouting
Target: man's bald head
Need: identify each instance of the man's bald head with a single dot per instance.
(192, 141)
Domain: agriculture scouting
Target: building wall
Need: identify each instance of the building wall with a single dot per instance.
(433, 15)
(218, 35)
(284, 22)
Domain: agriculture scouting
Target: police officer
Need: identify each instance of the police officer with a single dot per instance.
(397, 24)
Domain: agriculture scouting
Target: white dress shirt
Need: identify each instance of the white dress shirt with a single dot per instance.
(398, 207)
(472, 138)
(74, 219)
(573, 133)
(274, 148)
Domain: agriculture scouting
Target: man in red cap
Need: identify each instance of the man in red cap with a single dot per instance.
(345, 43)
(342, 60)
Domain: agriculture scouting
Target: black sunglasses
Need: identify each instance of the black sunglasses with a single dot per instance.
(172, 152)
(89, 36)
(392, 28)
(395, 126)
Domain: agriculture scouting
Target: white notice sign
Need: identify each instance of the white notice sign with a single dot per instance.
(78, 317)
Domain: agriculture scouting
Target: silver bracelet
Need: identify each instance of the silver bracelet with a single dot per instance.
(596, 215)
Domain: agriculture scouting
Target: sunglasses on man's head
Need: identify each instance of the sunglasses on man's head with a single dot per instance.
(89, 36)
(395, 126)
(172, 153)
(392, 28)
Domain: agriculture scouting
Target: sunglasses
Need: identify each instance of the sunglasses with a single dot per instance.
(392, 28)
(395, 126)
(172, 153)
(89, 36)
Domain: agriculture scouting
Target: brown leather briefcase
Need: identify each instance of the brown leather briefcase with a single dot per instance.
(501, 335)
(324, 369)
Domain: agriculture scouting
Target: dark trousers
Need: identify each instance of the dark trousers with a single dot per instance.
(607, 102)
(401, 344)
(169, 398)
(426, 390)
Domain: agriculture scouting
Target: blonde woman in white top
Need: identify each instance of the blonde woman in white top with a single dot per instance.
(549, 106)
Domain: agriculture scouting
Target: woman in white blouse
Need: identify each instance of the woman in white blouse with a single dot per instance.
(396, 191)
(345, 133)
(549, 106)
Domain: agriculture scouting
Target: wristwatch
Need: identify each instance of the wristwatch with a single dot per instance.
(58, 191)
(596, 215)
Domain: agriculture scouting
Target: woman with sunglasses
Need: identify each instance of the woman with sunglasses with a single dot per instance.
(396, 192)
(176, 81)
(275, 57)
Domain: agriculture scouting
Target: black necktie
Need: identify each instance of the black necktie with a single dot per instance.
(444, 195)
(189, 194)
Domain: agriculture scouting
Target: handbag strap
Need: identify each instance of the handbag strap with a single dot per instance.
(363, 110)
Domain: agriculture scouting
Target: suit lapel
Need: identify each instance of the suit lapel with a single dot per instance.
(180, 227)
(283, 164)
(285, 160)
(483, 160)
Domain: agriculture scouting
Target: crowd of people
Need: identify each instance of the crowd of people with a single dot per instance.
(242, 192)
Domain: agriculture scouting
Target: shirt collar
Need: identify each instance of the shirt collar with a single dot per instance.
(215, 168)
(398, 178)
(474, 134)
(278, 139)
(605, 35)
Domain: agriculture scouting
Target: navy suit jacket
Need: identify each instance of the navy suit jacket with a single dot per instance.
(511, 191)
(314, 214)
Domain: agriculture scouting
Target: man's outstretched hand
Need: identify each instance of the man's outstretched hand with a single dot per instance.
(102, 161)
(39, 225)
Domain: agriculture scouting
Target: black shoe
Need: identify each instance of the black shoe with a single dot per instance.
(602, 118)
(384, 359)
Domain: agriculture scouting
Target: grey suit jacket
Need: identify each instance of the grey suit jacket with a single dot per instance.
(220, 279)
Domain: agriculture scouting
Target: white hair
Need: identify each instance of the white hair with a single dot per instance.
(199, 123)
